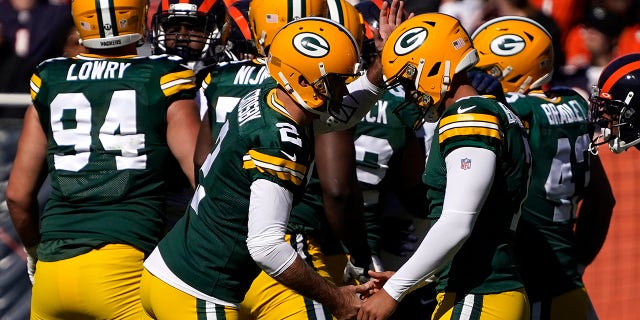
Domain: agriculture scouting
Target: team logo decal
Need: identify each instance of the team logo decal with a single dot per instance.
(507, 45)
(311, 44)
(410, 40)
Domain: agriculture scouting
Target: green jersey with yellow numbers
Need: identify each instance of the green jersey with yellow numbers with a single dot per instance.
(207, 248)
(486, 262)
(559, 136)
(107, 153)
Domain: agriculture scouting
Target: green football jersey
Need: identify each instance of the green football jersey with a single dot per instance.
(207, 248)
(224, 86)
(486, 262)
(559, 136)
(105, 121)
(379, 136)
(227, 83)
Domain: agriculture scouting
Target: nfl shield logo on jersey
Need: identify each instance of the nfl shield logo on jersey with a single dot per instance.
(465, 163)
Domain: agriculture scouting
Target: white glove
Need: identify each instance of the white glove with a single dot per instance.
(32, 258)
(351, 272)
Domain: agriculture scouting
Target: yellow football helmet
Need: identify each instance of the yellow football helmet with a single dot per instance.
(516, 50)
(105, 24)
(347, 15)
(266, 17)
(423, 54)
(322, 52)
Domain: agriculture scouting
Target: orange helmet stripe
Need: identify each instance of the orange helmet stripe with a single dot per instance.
(621, 72)
(240, 20)
(206, 6)
(378, 3)
(229, 3)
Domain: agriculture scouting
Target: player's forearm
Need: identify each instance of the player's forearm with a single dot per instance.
(204, 143)
(303, 279)
(350, 227)
(595, 213)
(341, 193)
(25, 218)
(374, 72)
(27, 176)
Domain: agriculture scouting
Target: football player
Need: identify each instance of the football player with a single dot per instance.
(614, 104)
(195, 30)
(235, 224)
(335, 202)
(518, 51)
(102, 125)
(390, 159)
(476, 175)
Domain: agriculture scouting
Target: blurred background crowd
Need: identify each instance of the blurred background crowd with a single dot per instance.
(587, 35)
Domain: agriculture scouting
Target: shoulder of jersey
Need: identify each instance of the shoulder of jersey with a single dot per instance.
(472, 105)
(167, 59)
(481, 109)
(562, 91)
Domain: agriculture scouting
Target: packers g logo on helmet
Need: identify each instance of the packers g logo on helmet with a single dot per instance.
(410, 40)
(517, 51)
(507, 45)
(301, 51)
(266, 17)
(423, 54)
(311, 45)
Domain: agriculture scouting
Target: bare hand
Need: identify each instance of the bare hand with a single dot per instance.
(348, 305)
(378, 307)
(378, 279)
(390, 17)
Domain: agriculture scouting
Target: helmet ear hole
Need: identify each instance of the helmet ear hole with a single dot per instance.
(302, 81)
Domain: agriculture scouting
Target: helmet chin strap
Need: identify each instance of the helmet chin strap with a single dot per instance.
(295, 94)
(446, 80)
(525, 84)
(617, 146)
(262, 40)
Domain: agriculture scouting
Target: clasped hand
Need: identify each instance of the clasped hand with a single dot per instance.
(376, 303)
